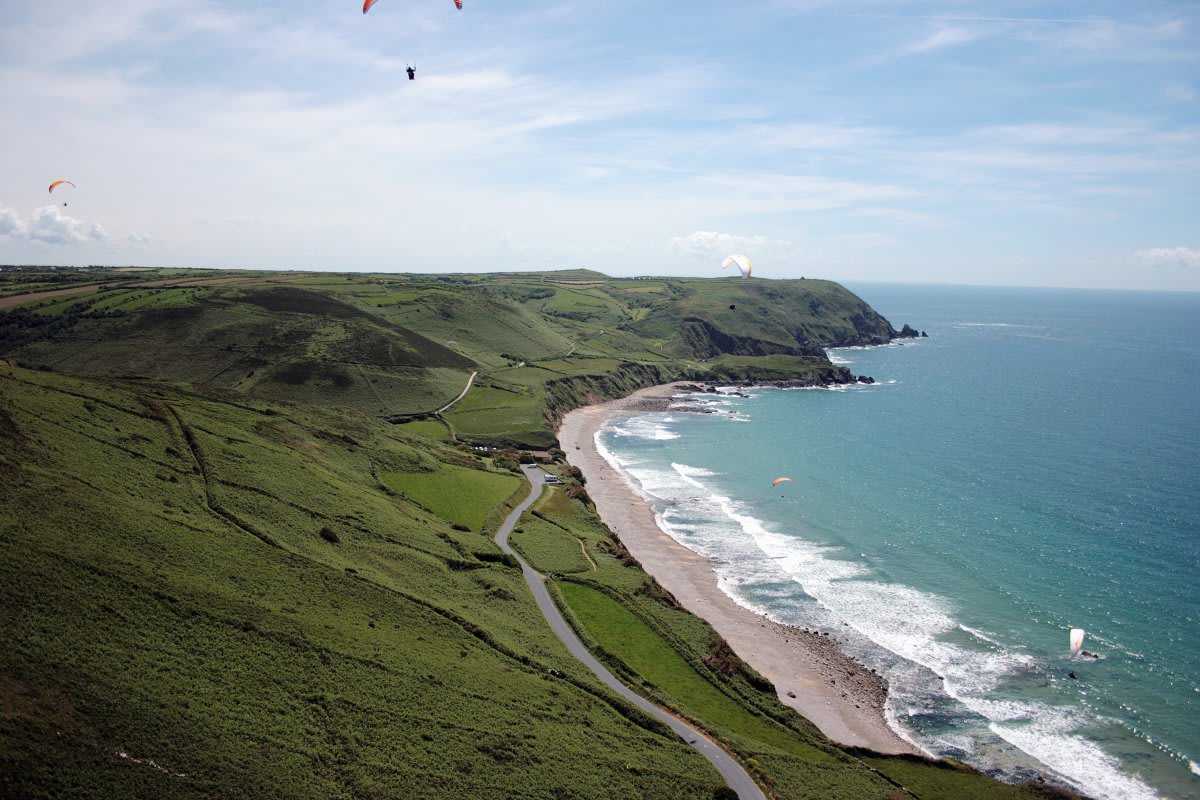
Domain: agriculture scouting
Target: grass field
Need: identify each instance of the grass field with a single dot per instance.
(458, 494)
(226, 574)
(621, 633)
(173, 598)
(429, 428)
(493, 415)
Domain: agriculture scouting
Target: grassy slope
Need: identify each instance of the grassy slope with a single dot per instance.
(791, 313)
(404, 345)
(281, 342)
(169, 594)
(458, 494)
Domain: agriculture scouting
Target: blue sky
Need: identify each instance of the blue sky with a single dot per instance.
(1019, 143)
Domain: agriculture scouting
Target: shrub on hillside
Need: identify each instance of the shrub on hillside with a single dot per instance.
(330, 535)
(504, 462)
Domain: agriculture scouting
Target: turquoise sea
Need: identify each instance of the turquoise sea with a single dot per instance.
(1032, 466)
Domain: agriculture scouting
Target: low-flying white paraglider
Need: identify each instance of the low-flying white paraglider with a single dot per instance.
(1076, 641)
(739, 261)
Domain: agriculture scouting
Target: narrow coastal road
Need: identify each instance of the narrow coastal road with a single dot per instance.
(461, 394)
(737, 778)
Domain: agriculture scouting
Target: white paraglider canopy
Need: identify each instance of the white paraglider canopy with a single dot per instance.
(739, 261)
(1076, 641)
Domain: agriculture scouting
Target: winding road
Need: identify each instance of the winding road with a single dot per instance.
(738, 779)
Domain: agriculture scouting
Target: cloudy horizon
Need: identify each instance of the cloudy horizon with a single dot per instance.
(874, 140)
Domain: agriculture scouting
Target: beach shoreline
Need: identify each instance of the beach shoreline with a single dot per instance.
(844, 699)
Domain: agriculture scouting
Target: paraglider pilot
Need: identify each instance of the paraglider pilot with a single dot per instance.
(412, 73)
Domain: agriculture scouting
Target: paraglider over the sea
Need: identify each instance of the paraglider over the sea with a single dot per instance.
(778, 481)
(60, 183)
(1076, 641)
(739, 261)
(1077, 650)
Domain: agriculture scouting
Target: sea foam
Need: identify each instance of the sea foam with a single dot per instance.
(755, 563)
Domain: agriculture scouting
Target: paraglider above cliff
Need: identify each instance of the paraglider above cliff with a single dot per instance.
(368, 3)
(60, 183)
(739, 261)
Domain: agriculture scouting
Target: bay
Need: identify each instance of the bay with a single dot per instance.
(1030, 467)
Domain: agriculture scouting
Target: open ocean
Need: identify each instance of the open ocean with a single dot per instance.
(1032, 466)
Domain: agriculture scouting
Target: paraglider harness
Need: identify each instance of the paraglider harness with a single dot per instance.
(412, 72)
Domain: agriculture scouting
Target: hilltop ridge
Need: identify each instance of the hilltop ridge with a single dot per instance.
(403, 345)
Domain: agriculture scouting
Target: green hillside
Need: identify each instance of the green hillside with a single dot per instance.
(404, 346)
(228, 591)
(243, 559)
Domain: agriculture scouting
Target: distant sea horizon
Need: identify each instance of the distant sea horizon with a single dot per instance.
(1029, 468)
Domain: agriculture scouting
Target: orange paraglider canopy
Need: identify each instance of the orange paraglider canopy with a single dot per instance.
(368, 3)
(778, 481)
(56, 183)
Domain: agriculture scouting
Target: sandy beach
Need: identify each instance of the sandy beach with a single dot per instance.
(840, 696)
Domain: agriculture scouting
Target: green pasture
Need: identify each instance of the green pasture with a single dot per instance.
(533, 375)
(201, 621)
(461, 495)
(550, 549)
(429, 428)
(627, 637)
(490, 413)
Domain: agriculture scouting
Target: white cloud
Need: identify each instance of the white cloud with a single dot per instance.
(945, 37)
(1179, 257)
(766, 192)
(140, 238)
(1180, 93)
(49, 226)
(714, 245)
(11, 223)
(868, 239)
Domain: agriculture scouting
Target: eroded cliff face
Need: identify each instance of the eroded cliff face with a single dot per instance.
(567, 394)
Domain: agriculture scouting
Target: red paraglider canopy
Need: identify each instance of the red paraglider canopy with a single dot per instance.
(368, 3)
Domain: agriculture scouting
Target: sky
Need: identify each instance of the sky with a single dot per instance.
(944, 141)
